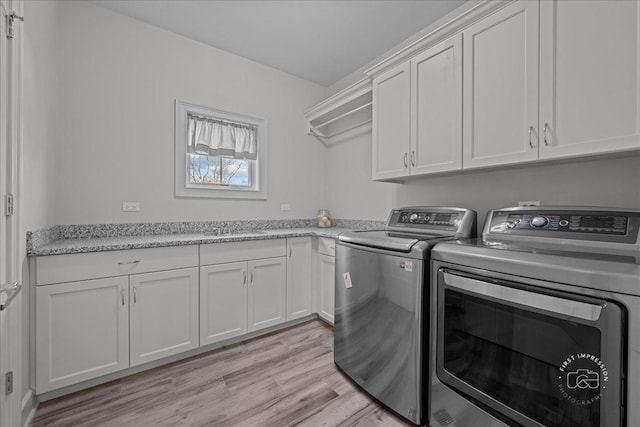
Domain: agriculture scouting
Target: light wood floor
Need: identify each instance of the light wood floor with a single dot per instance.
(283, 379)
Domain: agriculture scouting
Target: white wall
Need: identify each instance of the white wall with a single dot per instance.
(352, 193)
(118, 79)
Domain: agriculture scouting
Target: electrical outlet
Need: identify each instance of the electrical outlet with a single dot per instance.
(529, 203)
(285, 207)
(130, 206)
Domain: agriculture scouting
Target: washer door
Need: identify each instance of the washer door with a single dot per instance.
(533, 356)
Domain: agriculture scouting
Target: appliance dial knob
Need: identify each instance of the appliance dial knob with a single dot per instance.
(539, 221)
(413, 217)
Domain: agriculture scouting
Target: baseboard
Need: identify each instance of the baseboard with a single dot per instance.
(29, 406)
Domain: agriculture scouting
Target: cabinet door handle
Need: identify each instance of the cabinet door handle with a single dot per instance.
(244, 278)
(290, 252)
(405, 160)
(546, 129)
(128, 262)
(251, 279)
(413, 158)
(531, 130)
(122, 293)
(135, 295)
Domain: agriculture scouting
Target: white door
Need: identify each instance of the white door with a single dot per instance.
(326, 285)
(436, 108)
(501, 87)
(267, 292)
(82, 331)
(391, 132)
(589, 77)
(223, 301)
(10, 127)
(299, 286)
(163, 314)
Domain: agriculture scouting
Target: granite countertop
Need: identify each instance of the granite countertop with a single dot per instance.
(99, 244)
(73, 239)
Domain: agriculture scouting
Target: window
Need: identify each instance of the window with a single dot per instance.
(219, 154)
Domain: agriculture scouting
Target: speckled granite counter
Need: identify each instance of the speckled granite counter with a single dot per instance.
(82, 239)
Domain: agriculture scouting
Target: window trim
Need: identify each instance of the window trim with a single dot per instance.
(182, 186)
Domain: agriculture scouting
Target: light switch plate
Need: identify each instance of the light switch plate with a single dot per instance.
(130, 206)
(286, 207)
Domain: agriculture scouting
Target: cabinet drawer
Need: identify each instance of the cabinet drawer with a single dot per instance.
(218, 253)
(327, 246)
(73, 267)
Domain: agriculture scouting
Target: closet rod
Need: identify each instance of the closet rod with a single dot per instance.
(348, 113)
(312, 129)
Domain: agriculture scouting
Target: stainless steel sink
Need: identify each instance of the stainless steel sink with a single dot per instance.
(221, 232)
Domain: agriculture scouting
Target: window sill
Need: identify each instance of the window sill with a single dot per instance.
(209, 193)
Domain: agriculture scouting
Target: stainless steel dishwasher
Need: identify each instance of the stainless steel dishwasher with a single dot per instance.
(382, 293)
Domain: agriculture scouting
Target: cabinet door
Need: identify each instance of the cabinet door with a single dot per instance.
(436, 108)
(267, 292)
(589, 82)
(326, 287)
(501, 87)
(299, 286)
(391, 132)
(223, 302)
(164, 314)
(82, 331)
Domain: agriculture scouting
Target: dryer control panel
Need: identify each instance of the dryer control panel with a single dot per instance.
(588, 224)
(605, 224)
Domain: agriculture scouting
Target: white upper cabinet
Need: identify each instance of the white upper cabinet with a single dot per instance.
(501, 87)
(436, 108)
(589, 74)
(391, 131)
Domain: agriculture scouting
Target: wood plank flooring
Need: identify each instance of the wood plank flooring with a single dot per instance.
(283, 379)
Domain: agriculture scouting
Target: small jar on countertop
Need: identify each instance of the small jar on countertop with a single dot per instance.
(324, 218)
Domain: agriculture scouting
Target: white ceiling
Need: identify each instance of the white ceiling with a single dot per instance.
(320, 41)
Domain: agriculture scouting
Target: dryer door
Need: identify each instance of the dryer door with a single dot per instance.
(530, 355)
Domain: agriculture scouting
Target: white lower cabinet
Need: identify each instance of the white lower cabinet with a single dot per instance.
(223, 302)
(90, 328)
(245, 295)
(299, 283)
(326, 287)
(82, 331)
(267, 292)
(325, 279)
(163, 314)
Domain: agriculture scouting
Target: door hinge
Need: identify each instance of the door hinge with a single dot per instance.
(10, 18)
(8, 205)
(8, 382)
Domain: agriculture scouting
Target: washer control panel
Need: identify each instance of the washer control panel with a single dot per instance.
(569, 224)
(431, 218)
(458, 222)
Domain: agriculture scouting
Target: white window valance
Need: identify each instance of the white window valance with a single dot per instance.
(215, 137)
